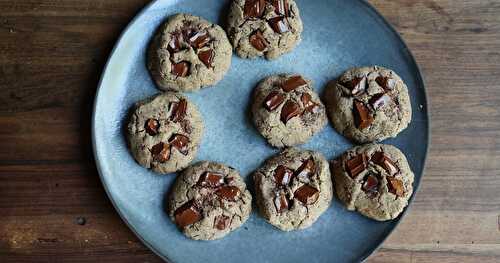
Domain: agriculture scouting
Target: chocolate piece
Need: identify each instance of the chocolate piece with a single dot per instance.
(395, 186)
(281, 7)
(174, 45)
(371, 184)
(278, 24)
(306, 194)
(178, 110)
(207, 57)
(386, 83)
(181, 69)
(187, 214)
(307, 168)
(273, 100)
(199, 39)
(161, 152)
(282, 175)
(383, 160)
(179, 142)
(309, 105)
(280, 203)
(258, 41)
(289, 110)
(379, 100)
(357, 85)
(221, 222)
(228, 180)
(293, 83)
(254, 8)
(356, 165)
(362, 115)
(152, 126)
(211, 179)
(228, 192)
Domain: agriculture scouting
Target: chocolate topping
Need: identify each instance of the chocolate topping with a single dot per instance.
(187, 214)
(179, 142)
(174, 45)
(356, 165)
(211, 179)
(207, 57)
(309, 105)
(161, 152)
(281, 7)
(258, 41)
(228, 192)
(282, 175)
(181, 69)
(362, 115)
(221, 222)
(307, 168)
(386, 83)
(395, 186)
(178, 110)
(371, 184)
(289, 110)
(152, 126)
(357, 85)
(280, 202)
(293, 83)
(306, 194)
(199, 39)
(273, 100)
(254, 8)
(278, 24)
(379, 100)
(380, 158)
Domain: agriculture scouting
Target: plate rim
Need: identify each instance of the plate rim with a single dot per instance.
(363, 257)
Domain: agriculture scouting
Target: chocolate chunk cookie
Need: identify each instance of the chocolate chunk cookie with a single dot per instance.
(189, 53)
(267, 28)
(293, 188)
(374, 179)
(164, 132)
(208, 201)
(368, 104)
(287, 111)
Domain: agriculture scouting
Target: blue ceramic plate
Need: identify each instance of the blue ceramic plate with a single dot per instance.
(338, 34)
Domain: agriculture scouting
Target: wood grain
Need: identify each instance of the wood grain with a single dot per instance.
(52, 53)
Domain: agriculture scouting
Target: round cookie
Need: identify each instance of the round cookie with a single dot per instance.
(374, 179)
(267, 28)
(293, 188)
(208, 201)
(189, 53)
(368, 104)
(286, 110)
(164, 132)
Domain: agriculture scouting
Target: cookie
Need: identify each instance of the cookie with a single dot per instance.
(286, 110)
(188, 53)
(267, 28)
(293, 188)
(164, 132)
(208, 201)
(368, 104)
(373, 179)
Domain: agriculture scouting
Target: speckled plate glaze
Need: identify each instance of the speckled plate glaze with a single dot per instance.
(338, 34)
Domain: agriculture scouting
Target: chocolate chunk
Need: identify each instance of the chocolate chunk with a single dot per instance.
(228, 192)
(258, 41)
(278, 24)
(152, 126)
(281, 7)
(199, 39)
(386, 83)
(181, 69)
(280, 202)
(179, 142)
(161, 152)
(395, 186)
(293, 83)
(363, 118)
(379, 100)
(357, 85)
(178, 110)
(221, 222)
(273, 100)
(282, 175)
(211, 179)
(174, 45)
(306, 194)
(309, 105)
(254, 8)
(289, 110)
(207, 57)
(380, 158)
(356, 165)
(187, 214)
(371, 184)
(307, 168)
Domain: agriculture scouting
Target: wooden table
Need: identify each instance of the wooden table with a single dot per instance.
(52, 204)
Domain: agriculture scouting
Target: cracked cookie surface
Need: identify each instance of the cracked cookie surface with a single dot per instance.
(286, 110)
(368, 104)
(373, 179)
(164, 132)
(293, 188)
(208, 201)
(188, 53)
(267, 28)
